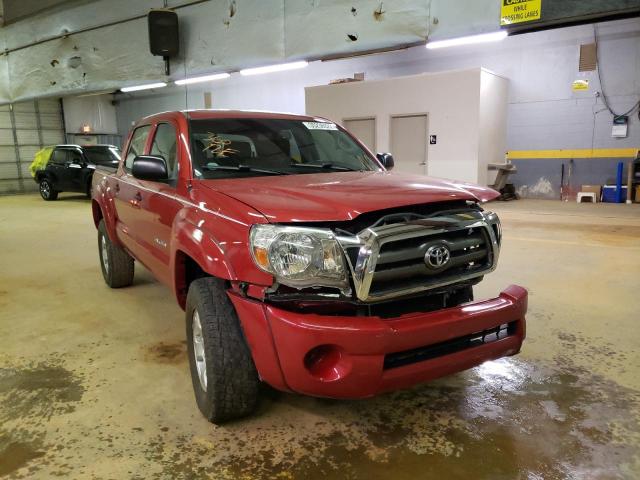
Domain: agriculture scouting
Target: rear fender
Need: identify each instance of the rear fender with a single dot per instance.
(103, 208)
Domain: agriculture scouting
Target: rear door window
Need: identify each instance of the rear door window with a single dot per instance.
(74, 156)
(136, 146)
(59, 156)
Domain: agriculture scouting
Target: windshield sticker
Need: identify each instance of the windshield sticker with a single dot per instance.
(320, 125)
(218, 146)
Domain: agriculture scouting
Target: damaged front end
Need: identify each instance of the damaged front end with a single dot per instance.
(414, 259)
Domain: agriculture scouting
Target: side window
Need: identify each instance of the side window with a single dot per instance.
(136, 147)
(164, 145)
(73, 156)
(59, 156)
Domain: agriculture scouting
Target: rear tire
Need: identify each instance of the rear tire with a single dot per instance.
(46, 190)
(116, 264)
(224, 377)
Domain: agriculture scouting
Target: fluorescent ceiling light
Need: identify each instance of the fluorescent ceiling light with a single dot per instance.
(143, 87)
(453, 42)
(273, 68)
(204, 78)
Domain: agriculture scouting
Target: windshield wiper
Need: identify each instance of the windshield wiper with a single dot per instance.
(244, 168)
(326, 166)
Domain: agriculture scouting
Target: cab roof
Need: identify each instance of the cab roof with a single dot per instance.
(204, 114)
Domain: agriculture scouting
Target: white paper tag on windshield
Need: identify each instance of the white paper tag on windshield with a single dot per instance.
(320, 125)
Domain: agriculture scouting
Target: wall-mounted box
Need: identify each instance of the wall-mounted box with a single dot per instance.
(466, 109)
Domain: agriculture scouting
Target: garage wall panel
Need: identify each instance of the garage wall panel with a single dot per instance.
(27, 153)
(51, 137)
(11, 186)
(26, 120)
(32, 129)
(51, 120)
(26, 107)
(28, 137)
(7, 154)
(5, 120)
(6, 137)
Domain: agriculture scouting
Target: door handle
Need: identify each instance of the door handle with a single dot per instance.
(117, 188)
(135, 201)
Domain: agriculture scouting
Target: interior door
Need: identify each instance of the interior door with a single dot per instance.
(409, 135)
(364, 129)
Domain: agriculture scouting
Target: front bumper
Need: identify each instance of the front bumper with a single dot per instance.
(349, 357)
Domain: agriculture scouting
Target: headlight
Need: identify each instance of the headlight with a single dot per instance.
(299, 257)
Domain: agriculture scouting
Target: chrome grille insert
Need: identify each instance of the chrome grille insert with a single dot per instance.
(389, 261)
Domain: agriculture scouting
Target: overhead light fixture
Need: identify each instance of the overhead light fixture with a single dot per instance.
(274, 68)
(482, 38)
(203, 78)
(143, 87)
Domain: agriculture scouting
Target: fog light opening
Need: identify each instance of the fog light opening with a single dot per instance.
(327, 362)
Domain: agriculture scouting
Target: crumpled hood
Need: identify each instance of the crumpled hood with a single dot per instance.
(339, 196)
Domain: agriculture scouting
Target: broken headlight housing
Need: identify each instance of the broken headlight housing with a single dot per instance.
(299, 257)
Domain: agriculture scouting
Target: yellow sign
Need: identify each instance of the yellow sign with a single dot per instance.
(518, 11)
(578, 85)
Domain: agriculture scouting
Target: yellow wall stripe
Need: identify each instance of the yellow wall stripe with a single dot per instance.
(575, 153)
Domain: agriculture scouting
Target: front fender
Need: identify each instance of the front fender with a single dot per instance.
(217, 243)
(202, 248)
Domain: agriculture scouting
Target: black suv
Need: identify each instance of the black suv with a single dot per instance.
(70, 168)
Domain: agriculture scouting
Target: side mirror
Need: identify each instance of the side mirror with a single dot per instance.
(149, 167)
(386, 159)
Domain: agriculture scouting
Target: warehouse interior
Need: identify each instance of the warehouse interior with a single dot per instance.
(537, 99)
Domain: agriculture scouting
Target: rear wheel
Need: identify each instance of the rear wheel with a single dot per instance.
(224, 377)
(46, 190)
(116, 264)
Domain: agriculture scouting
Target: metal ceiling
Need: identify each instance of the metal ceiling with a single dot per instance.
(86, 46)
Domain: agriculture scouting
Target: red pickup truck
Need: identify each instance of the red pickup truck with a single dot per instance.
(300, 260)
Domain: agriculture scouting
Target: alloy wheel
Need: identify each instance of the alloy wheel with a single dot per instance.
(198, 350)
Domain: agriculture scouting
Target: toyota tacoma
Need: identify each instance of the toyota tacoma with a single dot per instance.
(300, 260)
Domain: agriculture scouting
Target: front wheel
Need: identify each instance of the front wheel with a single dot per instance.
(224, 377)
(116, 264)
(46, 190)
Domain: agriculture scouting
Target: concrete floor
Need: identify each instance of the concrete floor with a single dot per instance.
(94, 382)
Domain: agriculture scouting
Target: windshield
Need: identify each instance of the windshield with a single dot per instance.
(102, 155)
(233, 147)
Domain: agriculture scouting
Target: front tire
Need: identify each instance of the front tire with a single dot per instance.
(224, 377)
(116, 264)
(46, 190)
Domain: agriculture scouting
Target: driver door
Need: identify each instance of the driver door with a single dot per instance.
(159, 204)
(128, 195)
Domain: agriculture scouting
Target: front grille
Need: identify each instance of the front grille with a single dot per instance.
(421, 354)
(404, 258)
(402, 265)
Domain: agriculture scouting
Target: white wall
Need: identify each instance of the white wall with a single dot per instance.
(543, 111)
(450, 99)
(96, 111)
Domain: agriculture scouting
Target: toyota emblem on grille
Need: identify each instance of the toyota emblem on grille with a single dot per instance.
(437, 256)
